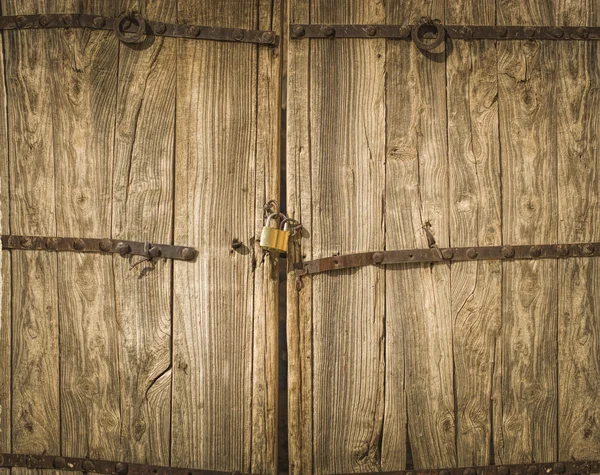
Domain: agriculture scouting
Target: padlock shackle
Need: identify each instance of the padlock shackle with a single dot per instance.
(277, 215)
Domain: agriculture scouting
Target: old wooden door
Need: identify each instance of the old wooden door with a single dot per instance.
(171, 141)
(482, 143)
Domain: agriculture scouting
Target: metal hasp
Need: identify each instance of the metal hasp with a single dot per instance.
(556, 468)
(452, 254)
(438, 32)
(133, 28)
(104, 246)
(70, 464)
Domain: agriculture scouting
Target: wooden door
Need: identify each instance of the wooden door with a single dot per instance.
(487, 143)
(170, 141)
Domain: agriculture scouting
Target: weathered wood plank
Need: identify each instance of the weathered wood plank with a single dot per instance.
(345, 168)
(578, 212)
(525, 419)
(475, 219)
(143, 210)
(418, 305)
(83, 86)
(35, 385)
(215, 313)
(299, 206)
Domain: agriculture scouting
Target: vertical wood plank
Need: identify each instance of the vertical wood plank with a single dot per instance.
(578, 211)
(215, 312)
(35, 403)
(475, 220)
(418, 305)
(525, 420)
(83, 87)
(143, 211)
(299, 199)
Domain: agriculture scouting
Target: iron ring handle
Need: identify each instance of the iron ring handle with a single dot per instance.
(122, 30)
(440, 33)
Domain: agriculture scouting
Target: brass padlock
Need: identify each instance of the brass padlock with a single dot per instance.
(275, 239)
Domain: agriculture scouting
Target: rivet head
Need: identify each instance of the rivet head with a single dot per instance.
(328, 31)
(238, 35)
(99, 22)
(121, 468)
(26, 242)
(447, 254)
(298, 30)
(87, 465)
(67, 19)
(529, 31)
(267, 37)
(155, 252)
(588, 249)
(21, 21)
(78, 244)
(51, 244)
(502, 31)
(470, 471)
(59, 463)
(371, 30)
(194, 31)
(377, 258)
(559, 467)
(159, 28)
(236, 244)
(557, 32)
(562, 250)
(535, 251)
(508, 252)
(404, 31)
(583, 32)
(105, 245)
(123, 248)
(532, 470)
(472, 253)
(43, 20)
(188, 254)
(503, 470)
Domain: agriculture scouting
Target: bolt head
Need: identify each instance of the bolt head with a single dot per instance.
(535, 251)
(371, 30)
(508, 252)
(188, 254)
(298, 30)
(43, 20)
(447, 254)
(78, 244)
(559, 467)
(502, 470)
(160, 28)
(87, 465)
(99, 22)
(471, 254)
(121, 468)
(123, 248)
(532, 470)
(377, 258)
(59, 463)
(404, 31)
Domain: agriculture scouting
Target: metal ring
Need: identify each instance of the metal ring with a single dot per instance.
(440, 33)
(123, 32)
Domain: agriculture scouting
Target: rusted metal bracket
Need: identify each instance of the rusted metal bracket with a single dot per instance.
(452, 254)
(557, 468)
(131, 27)
(104, 246)
(438, 32)
(71, 464)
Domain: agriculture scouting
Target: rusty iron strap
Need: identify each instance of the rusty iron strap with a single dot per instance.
(133, 28)
(435, 29)
(453, 254)
(71, 464)
(557, 468)
(105, 246)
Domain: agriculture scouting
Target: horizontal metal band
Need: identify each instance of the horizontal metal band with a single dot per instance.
(452, 254)
(71, 464)
(457, 32)
(105, 246)
(131, 28)
(557, 468)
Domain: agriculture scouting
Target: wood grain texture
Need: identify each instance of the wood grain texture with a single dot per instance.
(578, 212)
(418, 297)
(475, 219)
(35, 368)
(526, 417)
(143, 210)
(217, 325)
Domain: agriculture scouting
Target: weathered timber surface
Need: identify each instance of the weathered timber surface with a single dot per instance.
(475, 219)
(104, 140)
(224, 407)
(578, 211)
